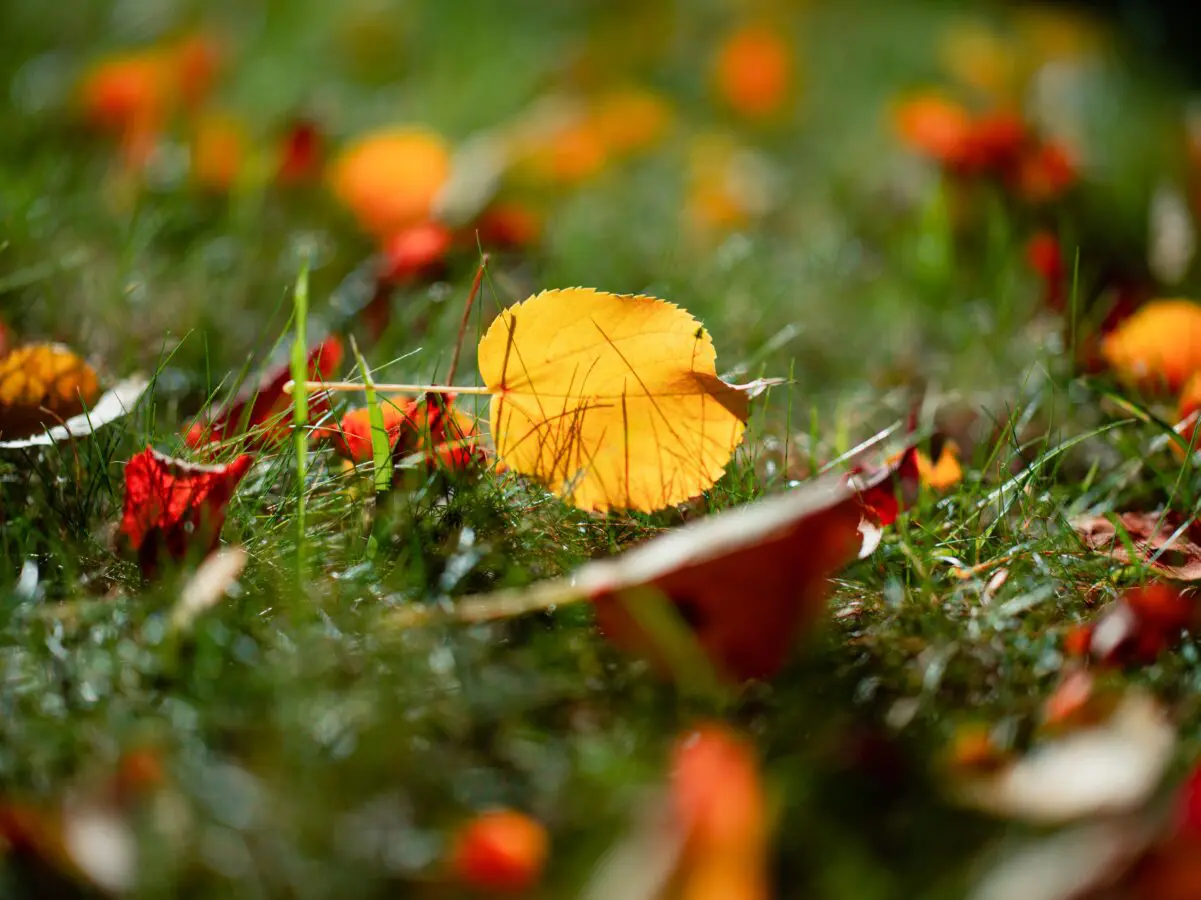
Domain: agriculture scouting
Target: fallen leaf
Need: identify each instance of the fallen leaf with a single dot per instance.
(973, 52)
(747, 581)
(1045, 257)
(501, 850)
(508, 226)
(1158, 347)
(390, 179)
(1045, 173)
(1154, 536)
(1138, 626)
(611, 400)
(943, 474)
(195, 60)
(127, 92)
(300, 153)
(716, 791)
(112, 405)
(351, 437)
(729, 185)
(996, 143)
(629, 119)
(1109, 768)
(885, 490)
(208, 585)
(42, 385)
(415, 252)
(261, 414)
(720, 806)
(430, 427)
(753, 71)
(175, 509)
(934, 126)
(219, 152)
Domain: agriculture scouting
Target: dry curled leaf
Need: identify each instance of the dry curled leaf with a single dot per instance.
(1161, 549)
(611, 400)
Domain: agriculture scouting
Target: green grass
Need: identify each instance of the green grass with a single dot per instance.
(312, 750)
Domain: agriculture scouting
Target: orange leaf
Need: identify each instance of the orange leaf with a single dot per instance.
(124, 92)
(945, 473)
(934, 126)
(1159, 346)
(753, 71)
(500, 850)
(390, 179)
(611, 400)
(219, 151)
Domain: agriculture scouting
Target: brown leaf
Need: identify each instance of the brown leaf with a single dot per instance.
(1178, 558)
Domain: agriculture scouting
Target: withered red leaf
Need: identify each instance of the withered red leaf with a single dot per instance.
(261, 413)
(1161, 549)
(748, 581)
(175, 509)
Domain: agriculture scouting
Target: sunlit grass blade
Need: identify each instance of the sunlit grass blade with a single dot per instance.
(300, 409)
(381, 447)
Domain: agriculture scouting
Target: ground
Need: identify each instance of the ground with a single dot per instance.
(310, 747)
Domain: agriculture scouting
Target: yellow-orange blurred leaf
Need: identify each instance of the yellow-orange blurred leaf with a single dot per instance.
(1157, 347)
(611, 400)
(390, 179)
(630, 119)
(977, 55)
(943, 474)
(219, 151)
(40, 385)
(729, 187)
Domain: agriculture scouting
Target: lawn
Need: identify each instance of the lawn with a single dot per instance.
(918, 218)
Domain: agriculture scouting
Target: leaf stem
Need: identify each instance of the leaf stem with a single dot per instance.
(386, 388)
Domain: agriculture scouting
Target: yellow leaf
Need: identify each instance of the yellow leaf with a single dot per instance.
(611, 400)
(40, 385)
(944, 473)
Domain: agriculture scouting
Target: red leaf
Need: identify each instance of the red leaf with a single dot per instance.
(261, 411)
(746, 581)
(1140, 625)
(415, 252)
(175, 509)
(885, 488)
(300, 153)
(1045, 257)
